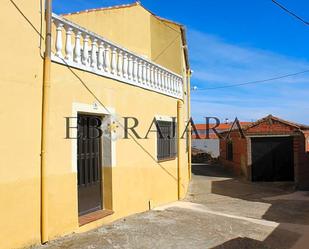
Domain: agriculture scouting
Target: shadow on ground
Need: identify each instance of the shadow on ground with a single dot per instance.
(275, 202)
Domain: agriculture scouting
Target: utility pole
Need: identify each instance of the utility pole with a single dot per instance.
(44, 122)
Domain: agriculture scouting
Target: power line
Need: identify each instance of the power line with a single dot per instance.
(290, 12)
(163, 21)
(27, 19)
(171, 43)
(166, 48)
(256, 82)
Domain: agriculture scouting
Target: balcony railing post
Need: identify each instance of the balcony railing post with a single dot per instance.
(68, 44)
(152, 76)
(143, 72)
(148, 74)
(119, 63)
(125, 65)
(135, 69)
(114, 60)
(107, 58)
(77, 48)
(101, 56)
(140, 71)
(156, 83)
(130, 67)
(85, 50)
(59, 39)
(94, 48)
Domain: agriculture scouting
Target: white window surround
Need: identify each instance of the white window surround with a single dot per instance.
(165, 118)
(95, 109)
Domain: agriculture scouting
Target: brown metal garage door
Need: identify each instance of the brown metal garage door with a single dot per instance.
(272, 159)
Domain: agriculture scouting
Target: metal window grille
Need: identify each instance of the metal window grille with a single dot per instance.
(167, 140)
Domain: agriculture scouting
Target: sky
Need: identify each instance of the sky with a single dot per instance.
(232, 42)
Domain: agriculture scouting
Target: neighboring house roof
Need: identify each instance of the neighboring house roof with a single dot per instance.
(220, 129)
(255, 128)
(182, 27)
(271, 117)
(223, 126)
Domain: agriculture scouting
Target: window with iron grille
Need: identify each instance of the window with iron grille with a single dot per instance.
(229, 150)
(166, 140)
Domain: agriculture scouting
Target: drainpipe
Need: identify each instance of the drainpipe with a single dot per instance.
(190, 128)
(44, 123)
(179, 106)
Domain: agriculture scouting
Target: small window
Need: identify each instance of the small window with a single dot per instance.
(166, 140)
(229, 151)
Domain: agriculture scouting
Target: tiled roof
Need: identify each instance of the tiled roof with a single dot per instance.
(223, 126)
(299, 126)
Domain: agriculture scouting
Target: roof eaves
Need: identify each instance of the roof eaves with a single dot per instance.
(102, 9)
(299, 126)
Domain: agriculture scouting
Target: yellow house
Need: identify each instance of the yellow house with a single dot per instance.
(119, 89)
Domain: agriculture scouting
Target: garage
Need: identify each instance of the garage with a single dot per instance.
(268, 150)
(272, 159)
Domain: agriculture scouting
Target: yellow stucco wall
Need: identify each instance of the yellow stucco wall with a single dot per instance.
(20, 118)
(128, 27)
(166, 44)
(136, 179)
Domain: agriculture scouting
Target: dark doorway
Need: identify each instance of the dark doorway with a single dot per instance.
(272, 159)
(89, 164)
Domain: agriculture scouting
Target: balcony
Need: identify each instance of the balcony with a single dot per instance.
(95, 54)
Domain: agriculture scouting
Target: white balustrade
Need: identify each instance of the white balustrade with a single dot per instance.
(90, 52)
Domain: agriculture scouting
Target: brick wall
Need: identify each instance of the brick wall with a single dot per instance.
(301, 162)
(239, 162)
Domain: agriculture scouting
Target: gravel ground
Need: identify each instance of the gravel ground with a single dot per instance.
(220, 212)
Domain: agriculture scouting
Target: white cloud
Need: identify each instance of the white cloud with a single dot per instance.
(217, 63)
